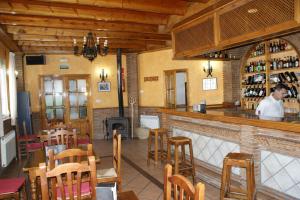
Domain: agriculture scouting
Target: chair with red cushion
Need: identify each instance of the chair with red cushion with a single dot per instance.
(11, 188)
(69, 180)
(31, 142)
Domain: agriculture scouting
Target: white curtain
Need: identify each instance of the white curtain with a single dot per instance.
(12, 88)
(3, 89)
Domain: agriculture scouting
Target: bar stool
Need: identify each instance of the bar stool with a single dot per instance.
(241, 160)
(183, 166)
(154, 154)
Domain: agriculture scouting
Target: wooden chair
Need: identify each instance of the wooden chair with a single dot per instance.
(158, 152)
(65, 137)
(113, 174)
(70, 184)
(10, 188)
(182, 187)
(69, 155)
(85, 139)
(31, 142)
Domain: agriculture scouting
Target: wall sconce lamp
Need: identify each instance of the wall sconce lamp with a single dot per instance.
(208, 69)
(103, 76)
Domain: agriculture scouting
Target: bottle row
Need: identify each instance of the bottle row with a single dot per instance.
(255, 92)
(259, 50)
(274, 47)
(219, 55)
(277, 46)
(286, 62)
(260, 91)
(257, 66)
(286, 77)
(255, 79)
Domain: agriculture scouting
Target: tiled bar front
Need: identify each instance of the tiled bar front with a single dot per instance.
(276, 153)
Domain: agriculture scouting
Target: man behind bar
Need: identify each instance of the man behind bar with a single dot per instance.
(271, 107)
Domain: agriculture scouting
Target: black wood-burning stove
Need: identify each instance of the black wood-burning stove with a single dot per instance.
(120, 123)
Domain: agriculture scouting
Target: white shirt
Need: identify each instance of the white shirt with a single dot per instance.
(270, 109)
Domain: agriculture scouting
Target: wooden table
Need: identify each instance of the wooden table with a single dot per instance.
(127, 195)
(32, 164)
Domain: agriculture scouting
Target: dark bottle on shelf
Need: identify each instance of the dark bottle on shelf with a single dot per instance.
(288, 77)
(297, 62)
(271, 47)
(294, 77)
(294, 91)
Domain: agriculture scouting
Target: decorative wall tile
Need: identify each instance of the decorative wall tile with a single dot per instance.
(209, 149)
(281, 172)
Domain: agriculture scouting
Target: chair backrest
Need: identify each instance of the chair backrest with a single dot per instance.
(69, 155)
(182, 187)
(69, 177)
(117, 152)
(63, 137)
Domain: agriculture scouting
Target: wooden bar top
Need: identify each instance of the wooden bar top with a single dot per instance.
(236, 116)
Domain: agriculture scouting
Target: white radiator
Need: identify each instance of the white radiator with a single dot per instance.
(149, 121)
(8, 148)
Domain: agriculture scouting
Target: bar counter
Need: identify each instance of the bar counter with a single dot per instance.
(275, 146)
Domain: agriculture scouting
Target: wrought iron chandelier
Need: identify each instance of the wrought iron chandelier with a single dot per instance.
(90, 49)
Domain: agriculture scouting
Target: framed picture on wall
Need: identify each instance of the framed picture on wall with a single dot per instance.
(103, 86)
(209, 84)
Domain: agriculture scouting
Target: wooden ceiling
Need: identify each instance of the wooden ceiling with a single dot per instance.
(49, 26)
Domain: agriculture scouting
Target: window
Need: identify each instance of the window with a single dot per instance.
(3, 89)
(210, 84)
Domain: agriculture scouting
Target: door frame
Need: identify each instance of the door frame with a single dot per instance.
(186, 89)
(66, 78)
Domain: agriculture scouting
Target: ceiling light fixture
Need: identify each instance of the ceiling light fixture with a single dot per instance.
(90, 49)
(252, 10)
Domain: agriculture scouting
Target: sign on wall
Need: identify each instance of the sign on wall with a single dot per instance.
(151, 78)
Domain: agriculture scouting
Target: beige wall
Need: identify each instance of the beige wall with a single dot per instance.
(77, 65)
(154, 63)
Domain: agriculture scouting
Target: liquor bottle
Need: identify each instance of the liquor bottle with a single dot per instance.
(297, 62)
(283, 77)
(288, 77)
(294, 91)
(271, 47)
(294, 77)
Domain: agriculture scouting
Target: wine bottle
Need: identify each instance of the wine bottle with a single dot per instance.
(294, 77)
(294, 91)
(297, 62)
(271, 47)
(288, 77)
(284, 79)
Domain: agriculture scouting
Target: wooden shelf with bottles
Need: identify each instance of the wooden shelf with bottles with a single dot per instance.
(217, 56)
(266, 64)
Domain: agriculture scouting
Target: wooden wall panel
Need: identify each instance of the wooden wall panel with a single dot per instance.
(236, 23)
(255, 16)
(194, 39)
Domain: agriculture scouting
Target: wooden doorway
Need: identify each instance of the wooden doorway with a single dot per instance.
(66, 99)
(176, 88)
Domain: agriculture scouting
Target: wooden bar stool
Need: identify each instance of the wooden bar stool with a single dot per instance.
(241, 160)
(183, 166)
(158, 151)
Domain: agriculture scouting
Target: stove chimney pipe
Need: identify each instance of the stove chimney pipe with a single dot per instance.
(120, 92)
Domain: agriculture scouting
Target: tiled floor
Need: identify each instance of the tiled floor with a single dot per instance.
(146, 181)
